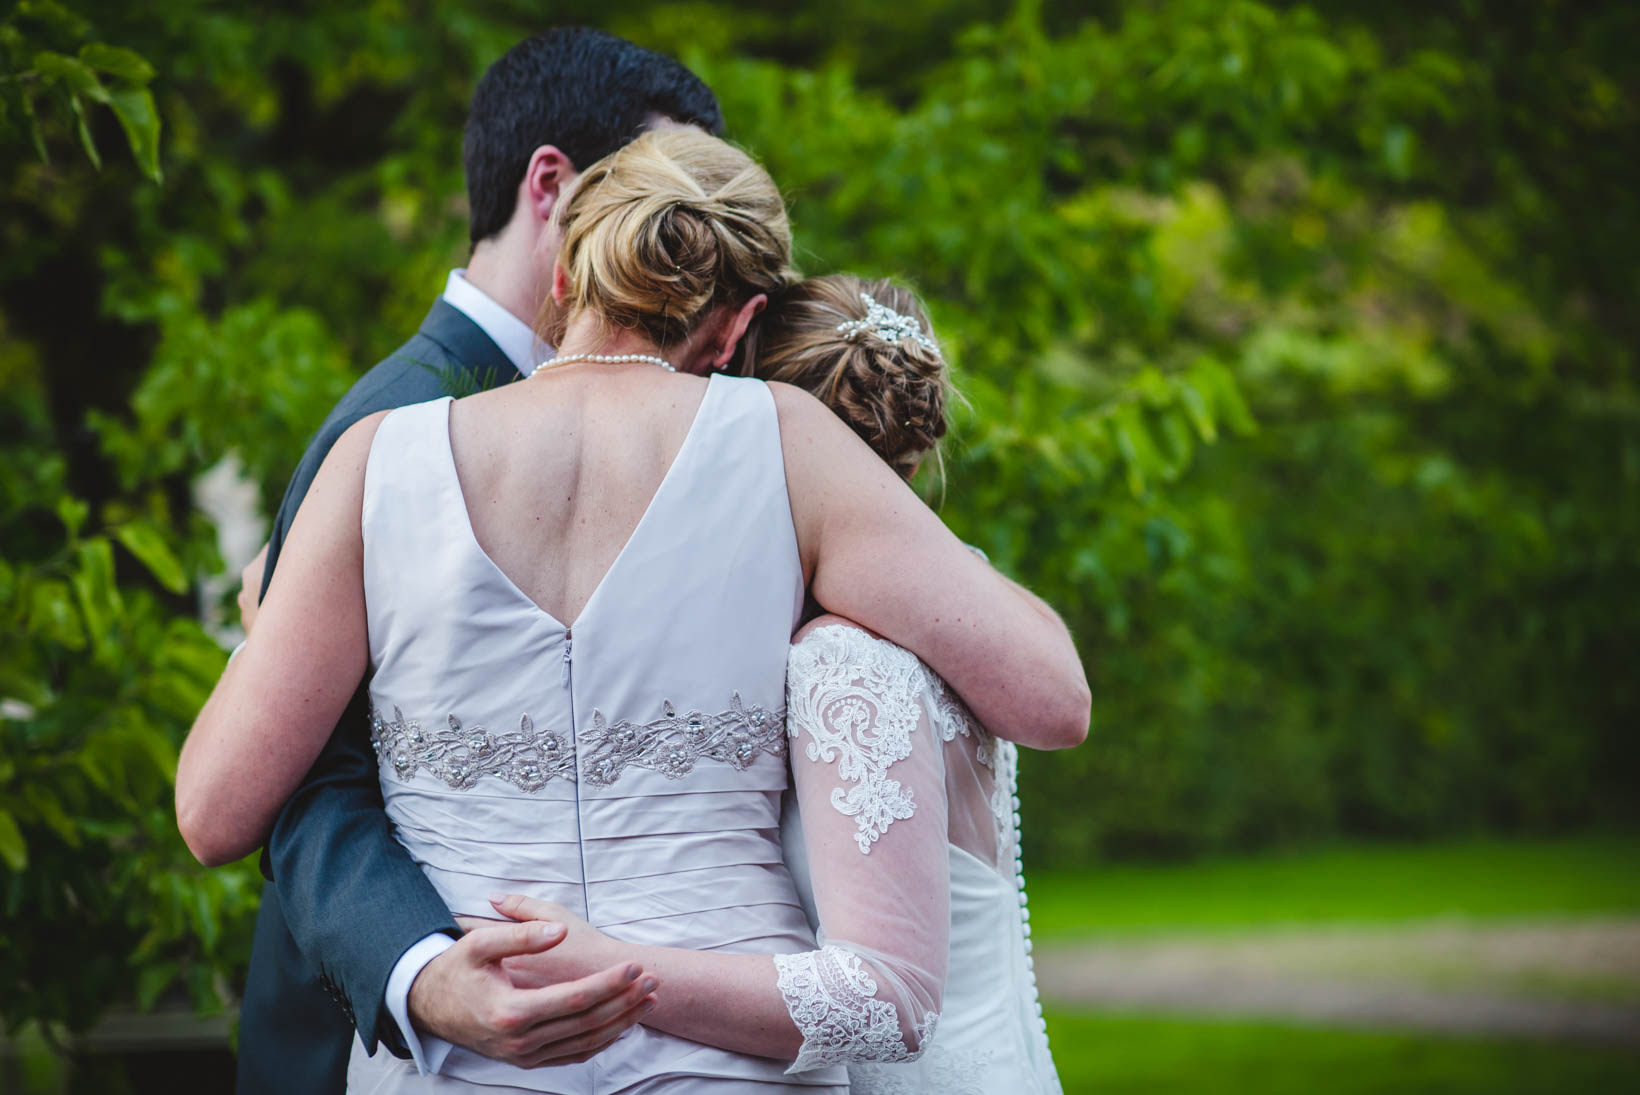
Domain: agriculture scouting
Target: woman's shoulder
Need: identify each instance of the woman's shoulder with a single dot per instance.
(352, 443)
(799, 410)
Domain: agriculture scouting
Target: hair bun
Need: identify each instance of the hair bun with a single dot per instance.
(864, 349)
(667, 227)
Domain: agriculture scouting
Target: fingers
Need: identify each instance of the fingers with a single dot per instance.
(492, 944)
(571, 998)
(606, 1011)
(250, 588)
(519, 907)
(572, 1018)
(250, 577)
(582, 1047)
(527, 972)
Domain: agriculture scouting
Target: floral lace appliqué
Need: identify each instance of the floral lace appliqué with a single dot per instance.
(856, 698)
(674, 743)
(832, 1000)
(461, 755)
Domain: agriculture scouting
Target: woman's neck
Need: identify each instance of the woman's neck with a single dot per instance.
(586, 335)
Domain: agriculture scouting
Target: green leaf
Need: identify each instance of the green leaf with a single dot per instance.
(1139, 452)
(204, 917)
(99, 597)
(84, 131)
(1220, 384)
(19, 683)
(144, 541)
(13, 848)
(1175, 431)
(72, 74)
(1400, 144)
(72, 513)
(136, 111)
(51, 614)
(115, 61)
(36, 137)
(1196, 407)
(88, 763)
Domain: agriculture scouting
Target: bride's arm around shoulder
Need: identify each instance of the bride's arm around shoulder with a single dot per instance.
(873, 552)
(281, 697)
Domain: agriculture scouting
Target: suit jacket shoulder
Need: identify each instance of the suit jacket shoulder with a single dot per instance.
(449, 355)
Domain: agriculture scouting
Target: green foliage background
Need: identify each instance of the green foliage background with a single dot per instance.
(1299, 343)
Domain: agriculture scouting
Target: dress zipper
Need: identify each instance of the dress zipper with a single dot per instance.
(575, 746)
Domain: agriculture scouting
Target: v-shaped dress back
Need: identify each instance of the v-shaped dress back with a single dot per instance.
(631, 767)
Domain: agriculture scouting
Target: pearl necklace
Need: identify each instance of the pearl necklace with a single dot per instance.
(604, 359)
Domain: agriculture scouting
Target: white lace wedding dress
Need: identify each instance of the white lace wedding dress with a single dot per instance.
(879, 742)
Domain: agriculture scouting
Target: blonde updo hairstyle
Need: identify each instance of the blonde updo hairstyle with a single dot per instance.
(664, 229)
(893, 394)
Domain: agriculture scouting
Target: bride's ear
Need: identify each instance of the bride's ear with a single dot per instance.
(560, 283)
(735, 330)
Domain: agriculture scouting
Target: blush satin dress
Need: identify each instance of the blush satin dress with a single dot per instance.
(629, 764)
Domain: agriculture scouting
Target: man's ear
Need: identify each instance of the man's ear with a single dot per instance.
(548, 175)
(735, 329)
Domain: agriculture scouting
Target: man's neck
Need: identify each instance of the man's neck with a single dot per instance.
(505, 269)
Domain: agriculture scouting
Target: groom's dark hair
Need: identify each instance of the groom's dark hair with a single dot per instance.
(583, 91)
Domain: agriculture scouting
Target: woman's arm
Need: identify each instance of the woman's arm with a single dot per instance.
(280, 699)
(868, 772)
(874, 553)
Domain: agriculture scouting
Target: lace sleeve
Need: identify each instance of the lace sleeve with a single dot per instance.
(868, 772)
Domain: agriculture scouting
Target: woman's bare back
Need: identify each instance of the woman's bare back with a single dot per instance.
(558, 470)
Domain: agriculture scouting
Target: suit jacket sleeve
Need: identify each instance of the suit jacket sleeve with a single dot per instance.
(353, 898)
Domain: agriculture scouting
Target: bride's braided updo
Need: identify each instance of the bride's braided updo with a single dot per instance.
(662, 230)
(893, 393)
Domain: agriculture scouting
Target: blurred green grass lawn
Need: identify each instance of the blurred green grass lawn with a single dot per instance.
(1111, 1054)
(1119, 1054)
(1370, 885)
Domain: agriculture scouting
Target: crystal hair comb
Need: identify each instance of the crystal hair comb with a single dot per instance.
(886, 324)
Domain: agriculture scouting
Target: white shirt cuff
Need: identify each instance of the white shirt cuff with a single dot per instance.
(429, 1055)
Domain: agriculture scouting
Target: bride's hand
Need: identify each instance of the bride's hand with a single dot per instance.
(583, 950)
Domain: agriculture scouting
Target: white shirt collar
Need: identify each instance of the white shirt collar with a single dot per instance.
(506, 330)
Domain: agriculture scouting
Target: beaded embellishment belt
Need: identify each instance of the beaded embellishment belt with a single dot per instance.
(529, 758)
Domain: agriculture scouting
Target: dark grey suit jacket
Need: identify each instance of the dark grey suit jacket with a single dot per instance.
(344, 900)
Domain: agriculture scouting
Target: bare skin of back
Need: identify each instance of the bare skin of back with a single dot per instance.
(558, 470)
